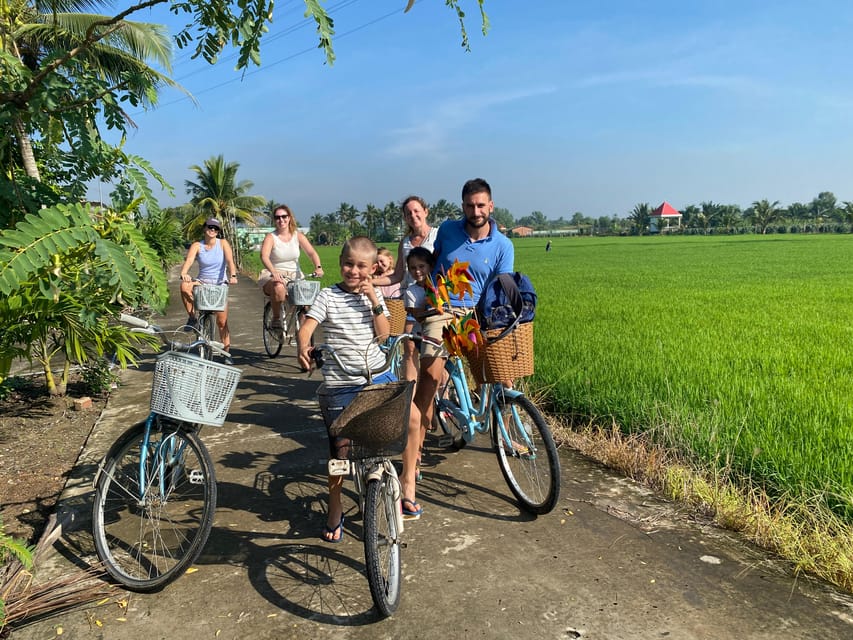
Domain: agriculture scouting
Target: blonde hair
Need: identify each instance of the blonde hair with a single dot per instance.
(359, 244)
(291, 224)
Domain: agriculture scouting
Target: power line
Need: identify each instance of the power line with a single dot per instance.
(268, 66)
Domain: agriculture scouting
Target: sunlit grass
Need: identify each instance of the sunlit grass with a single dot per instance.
(732, 350)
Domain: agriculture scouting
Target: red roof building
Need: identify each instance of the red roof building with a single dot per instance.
(661, 219)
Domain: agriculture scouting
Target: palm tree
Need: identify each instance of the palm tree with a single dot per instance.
(764, 214)
(347, 215)
(730, 215)
(78, 58)
(640, 217)
(372, 217)
(216, 193)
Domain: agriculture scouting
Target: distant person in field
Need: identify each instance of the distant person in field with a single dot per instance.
(548, 247)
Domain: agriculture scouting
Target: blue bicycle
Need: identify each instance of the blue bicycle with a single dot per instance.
(155, 490)
(520, 436)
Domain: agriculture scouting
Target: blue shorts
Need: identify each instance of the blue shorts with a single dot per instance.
(336, 400)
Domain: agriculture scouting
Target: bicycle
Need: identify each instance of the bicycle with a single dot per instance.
(300, 295)
(155, 490)
(375, 424)
(208, 299)
(520, 436)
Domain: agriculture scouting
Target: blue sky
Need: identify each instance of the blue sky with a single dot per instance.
(564, 106)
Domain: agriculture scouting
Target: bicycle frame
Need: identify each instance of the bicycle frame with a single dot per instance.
(161, 459)
(471, 416)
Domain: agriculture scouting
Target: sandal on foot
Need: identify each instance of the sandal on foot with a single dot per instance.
(411, 509)
(334, 534)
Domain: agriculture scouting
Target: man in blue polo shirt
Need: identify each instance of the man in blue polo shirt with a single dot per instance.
(474, 239)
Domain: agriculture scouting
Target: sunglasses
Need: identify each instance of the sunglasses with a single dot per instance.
(281, 217)
(213, 227)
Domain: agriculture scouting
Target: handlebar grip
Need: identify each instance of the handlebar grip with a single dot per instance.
(133, 321)
(317, 356)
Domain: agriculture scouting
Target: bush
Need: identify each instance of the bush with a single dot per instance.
(97, 377)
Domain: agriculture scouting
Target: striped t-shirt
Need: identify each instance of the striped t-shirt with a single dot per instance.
(347, 321)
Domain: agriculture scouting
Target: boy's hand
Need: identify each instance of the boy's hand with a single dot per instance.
(305, 359)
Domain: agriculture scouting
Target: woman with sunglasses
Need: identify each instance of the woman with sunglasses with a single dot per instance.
(280, 256)
(213, 253)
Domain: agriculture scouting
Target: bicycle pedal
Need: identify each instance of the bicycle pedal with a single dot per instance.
(445, 441)
(338, 467)
(196, 477)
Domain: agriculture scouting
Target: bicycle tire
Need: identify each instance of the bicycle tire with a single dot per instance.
(382, 545)
(444, 419)
(146, 544)
(534, 481)
(206, 327)
(272, 345)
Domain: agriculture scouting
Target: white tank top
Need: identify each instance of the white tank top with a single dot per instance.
(285, 255)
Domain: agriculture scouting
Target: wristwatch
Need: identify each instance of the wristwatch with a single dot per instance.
(378, 310)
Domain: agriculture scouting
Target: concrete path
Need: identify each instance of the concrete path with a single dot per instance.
(610, 562)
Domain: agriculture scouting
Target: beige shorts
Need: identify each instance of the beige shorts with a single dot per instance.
(265, 276)
(432, 326)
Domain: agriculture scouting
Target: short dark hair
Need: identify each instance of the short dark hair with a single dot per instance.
(476, 185)
(424, 254)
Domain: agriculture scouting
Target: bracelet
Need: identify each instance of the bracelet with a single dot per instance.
(319, 266)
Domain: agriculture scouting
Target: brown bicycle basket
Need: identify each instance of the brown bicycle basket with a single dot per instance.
(377, 420)
(509, 358)
(397, 309)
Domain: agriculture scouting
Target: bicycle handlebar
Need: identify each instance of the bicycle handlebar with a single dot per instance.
(318, 350)
(143, 326)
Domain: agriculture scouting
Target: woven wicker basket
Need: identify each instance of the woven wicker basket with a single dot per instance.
(376, 422)
(193, 390)
(509, 358)
(397, 309)
(303, 292)
(210, 297)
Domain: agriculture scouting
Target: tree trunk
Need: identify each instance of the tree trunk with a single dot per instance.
(26, 147)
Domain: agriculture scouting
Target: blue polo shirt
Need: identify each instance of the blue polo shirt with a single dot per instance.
(488, 257)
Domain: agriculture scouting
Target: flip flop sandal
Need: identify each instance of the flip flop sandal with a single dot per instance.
(335, 534)
(412, 513)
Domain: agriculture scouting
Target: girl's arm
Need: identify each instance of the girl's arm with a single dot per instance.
(191, 254)
(311, 252)
(399, 271)
(229, 259)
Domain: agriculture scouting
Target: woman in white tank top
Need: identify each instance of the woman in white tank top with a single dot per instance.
(280, 256)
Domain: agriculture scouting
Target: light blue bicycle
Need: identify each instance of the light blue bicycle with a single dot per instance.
(155, 490)
(520, 436)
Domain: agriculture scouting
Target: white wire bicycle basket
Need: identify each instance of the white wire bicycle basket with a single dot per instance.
(303, 292)
(210, 297)
(189, 388)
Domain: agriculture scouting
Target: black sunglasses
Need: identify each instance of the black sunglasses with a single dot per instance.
(213, 226)
(281, 217)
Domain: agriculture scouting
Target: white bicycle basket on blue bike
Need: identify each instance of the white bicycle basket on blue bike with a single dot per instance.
(303, 292)
(210, 297)
(191, 389)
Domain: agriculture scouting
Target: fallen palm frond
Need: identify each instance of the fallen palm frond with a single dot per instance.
(23, 598)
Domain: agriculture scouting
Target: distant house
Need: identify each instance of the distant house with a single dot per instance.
(664, 218)
(522, 232)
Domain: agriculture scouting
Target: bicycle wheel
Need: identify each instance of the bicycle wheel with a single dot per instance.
(291, 322)
(206, 328)
(382, 545)
(149, 529)
(526, 452)
(443, 418)
(272, 344)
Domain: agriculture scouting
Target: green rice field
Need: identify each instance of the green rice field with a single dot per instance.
(735, 350)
